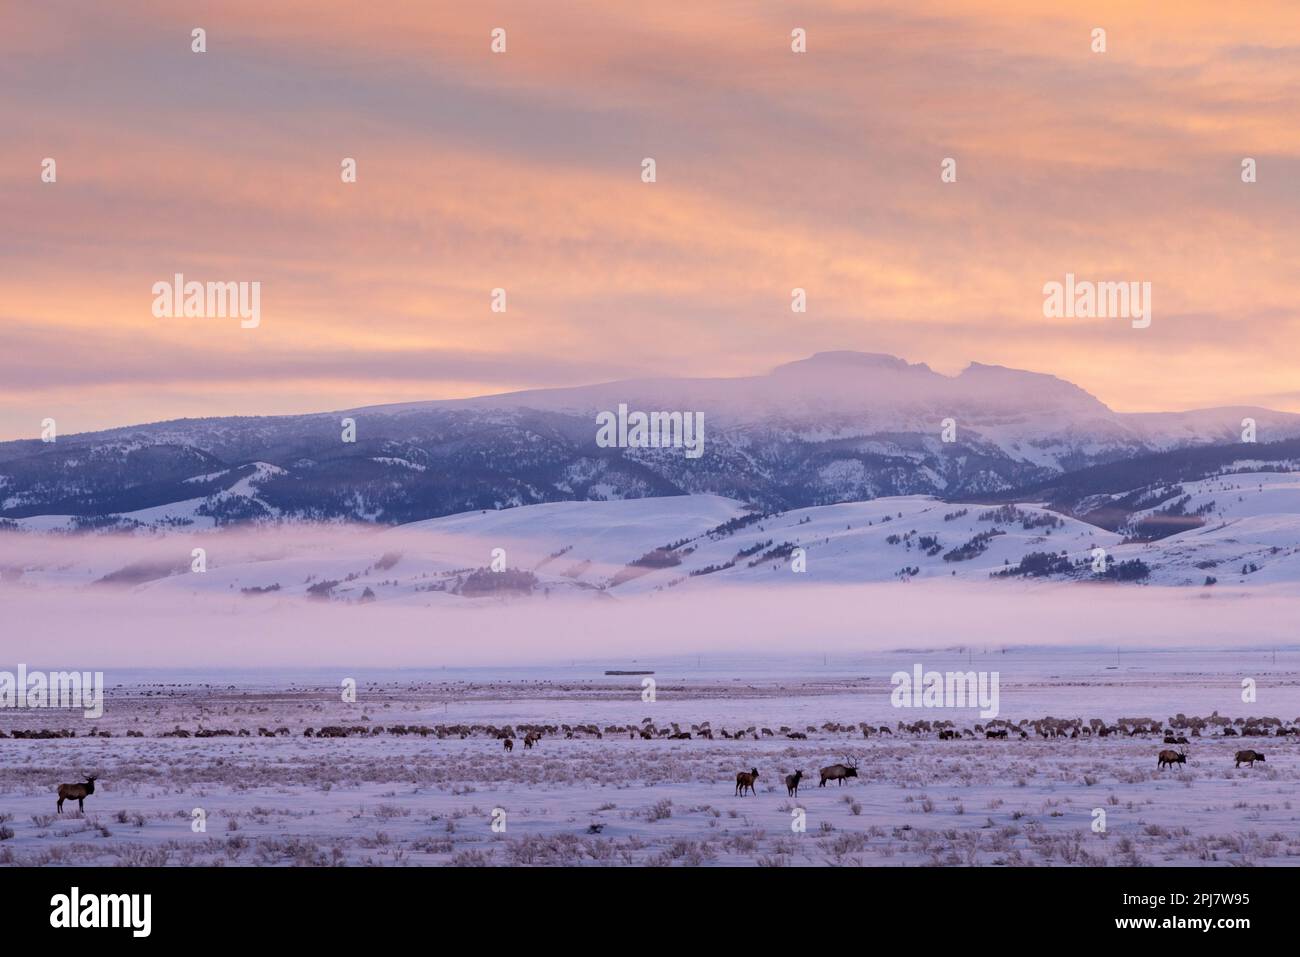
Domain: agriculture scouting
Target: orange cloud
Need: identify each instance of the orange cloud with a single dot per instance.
(521, 171)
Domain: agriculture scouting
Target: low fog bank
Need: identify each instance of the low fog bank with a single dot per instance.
(105, 627)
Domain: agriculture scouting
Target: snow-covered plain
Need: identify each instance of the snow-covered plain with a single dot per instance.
(281, 614)
(379, 797)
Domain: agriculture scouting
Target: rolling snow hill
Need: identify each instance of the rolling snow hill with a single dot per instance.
(1248, 535)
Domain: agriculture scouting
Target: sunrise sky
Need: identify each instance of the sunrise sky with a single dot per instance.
(522, 170)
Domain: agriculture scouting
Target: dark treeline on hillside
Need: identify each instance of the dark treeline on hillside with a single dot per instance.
(1134, 480)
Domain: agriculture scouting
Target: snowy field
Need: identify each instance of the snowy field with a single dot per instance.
(379, 796)
(221, 680)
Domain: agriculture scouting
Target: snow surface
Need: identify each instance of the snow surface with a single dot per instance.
(388, 799)
(242, 646)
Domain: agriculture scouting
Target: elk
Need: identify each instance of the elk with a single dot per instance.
(508, 744)
(792, 783)
(1171, 758)
(1248, 758)
(529, 740)
(746, 779)
(838, 772)
(76, 792)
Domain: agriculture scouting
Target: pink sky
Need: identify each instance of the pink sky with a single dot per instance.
(522, 171)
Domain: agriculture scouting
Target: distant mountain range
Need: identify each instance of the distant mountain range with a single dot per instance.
(836, 427)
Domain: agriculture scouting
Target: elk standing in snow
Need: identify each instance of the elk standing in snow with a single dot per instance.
(1171, 758)
(792, 783)
(838, 772)
(76, 792)
(1248, 758)
(746, 779)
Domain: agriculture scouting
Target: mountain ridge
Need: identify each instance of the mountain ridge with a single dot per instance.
(833, 427)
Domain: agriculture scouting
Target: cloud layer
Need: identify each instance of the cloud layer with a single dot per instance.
(522, 171)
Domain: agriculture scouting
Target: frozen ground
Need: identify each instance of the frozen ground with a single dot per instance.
(392, 799)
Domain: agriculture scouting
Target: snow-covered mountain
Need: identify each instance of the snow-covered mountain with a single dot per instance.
(836, 427)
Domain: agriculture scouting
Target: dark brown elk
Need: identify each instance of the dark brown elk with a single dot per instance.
(838, 772)
(746, 779)
(508, 744)
(792, 783)
(1171, 758)
(529, 740)
(76, 792)
(1248, 758)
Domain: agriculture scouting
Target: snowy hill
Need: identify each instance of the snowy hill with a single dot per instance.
(1248, 535)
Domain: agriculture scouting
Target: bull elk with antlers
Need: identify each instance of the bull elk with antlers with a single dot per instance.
(1170, 758)
(838, 772)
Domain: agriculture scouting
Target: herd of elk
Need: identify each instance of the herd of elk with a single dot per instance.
(746, 779)
(836, 772)
(76, 792)
(1169, 758)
